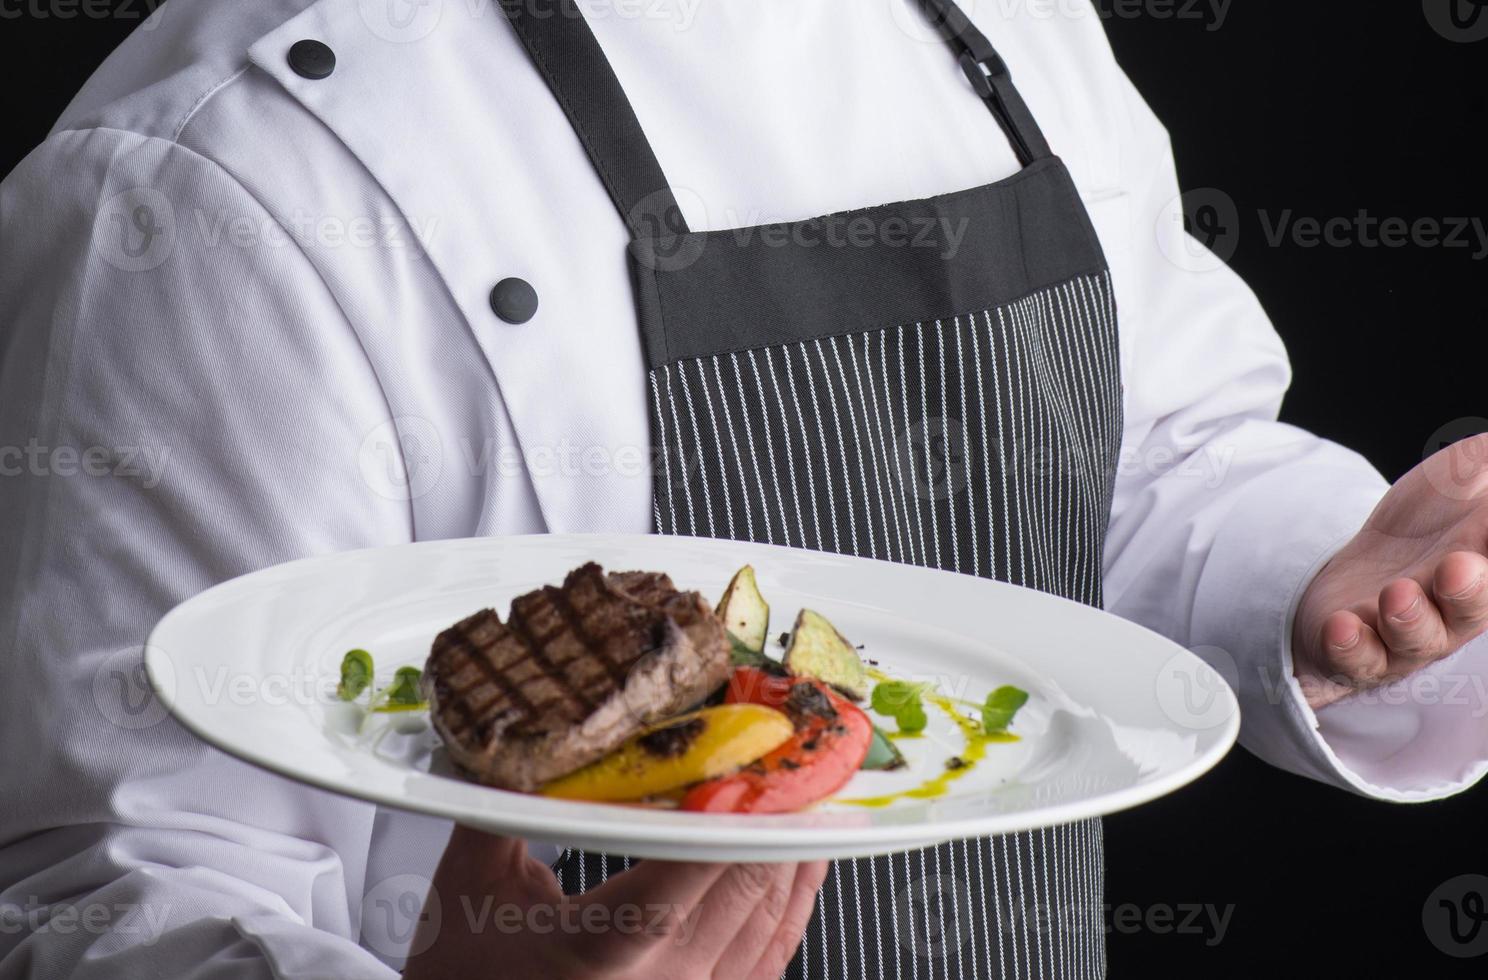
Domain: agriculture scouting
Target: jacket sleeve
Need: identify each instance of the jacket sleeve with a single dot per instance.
(1222, 514)
(181, 401)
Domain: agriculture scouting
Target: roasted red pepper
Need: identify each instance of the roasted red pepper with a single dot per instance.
(832, 737)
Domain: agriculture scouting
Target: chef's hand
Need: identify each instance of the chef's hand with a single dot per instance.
(659, 920)
(1409, 589)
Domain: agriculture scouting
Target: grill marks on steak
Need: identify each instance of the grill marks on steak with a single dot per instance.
(687, 609)
(573, 672)
(559, 655)
(584, 639)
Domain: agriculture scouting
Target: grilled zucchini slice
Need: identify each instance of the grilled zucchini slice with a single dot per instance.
(744, 612)
(818, 650)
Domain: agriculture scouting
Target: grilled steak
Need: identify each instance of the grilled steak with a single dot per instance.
(572, 673)
(687, 609)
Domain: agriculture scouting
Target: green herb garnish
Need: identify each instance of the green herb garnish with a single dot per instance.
(901, 701)
(356, 674)
(403, 694)
(741, 656)
(999, 708)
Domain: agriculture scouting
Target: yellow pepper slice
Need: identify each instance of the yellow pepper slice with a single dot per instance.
(685, 750)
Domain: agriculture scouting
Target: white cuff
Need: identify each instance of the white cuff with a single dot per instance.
(1421, 739)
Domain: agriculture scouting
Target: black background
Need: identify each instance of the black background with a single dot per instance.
(1324, 109)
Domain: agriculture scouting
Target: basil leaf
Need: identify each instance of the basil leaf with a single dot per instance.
(403, 694)
(912, 718)
(900, 700)
(356, 674)
(1000, 706)
(891, 697)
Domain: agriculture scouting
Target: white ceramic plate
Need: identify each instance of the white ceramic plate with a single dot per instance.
(1118, 715)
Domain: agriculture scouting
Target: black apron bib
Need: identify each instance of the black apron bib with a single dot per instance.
(853, 384)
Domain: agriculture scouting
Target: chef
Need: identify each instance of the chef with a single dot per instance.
(890, 278)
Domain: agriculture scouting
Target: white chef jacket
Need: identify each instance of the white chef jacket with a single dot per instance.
(244, 318)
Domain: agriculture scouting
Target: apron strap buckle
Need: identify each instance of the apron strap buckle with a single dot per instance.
(981, 71)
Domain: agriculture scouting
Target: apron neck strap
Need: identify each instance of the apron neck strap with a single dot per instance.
(569, 57)
(579, 75)
(990, 79)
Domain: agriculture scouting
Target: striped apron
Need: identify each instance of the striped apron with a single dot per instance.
(932, 382)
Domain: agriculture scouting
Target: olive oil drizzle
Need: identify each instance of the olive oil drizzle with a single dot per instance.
(974, 751)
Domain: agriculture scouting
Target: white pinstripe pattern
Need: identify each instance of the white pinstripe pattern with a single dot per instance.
(685, 476)
(894, 911)
(851, 421)
(876, 454)
(728, 423)
(770, 449)
(976, 556)
(1017, 921)
(728, 507)
(837, 897)
(1034, 398)
(666, 463)
(821, 432)
(801, 422)
(858, 906)
(702, 458)
(1074, 522)
(897, 470)
(924, 406)
(1011, 453)
(906, 473)
(924, 882)
(1086, 452)
(945, 436)
(790, 462)
(753, 457)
